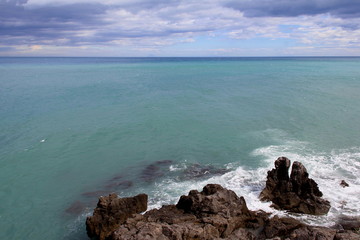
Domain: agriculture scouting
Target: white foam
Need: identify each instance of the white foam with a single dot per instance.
(327, 169)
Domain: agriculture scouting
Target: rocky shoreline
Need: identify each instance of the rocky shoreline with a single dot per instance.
(218, 213)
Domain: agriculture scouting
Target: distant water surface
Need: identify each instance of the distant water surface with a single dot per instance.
(72, 129)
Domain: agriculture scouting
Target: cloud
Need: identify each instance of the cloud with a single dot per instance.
(88, 23)
(6, 49)
(291, 8)
(154, 25)
(19, 24)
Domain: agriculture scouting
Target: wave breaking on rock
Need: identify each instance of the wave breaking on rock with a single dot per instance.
(218, 213)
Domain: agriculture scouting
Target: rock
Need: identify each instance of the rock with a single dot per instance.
(349, 223)
(281, 226)
(344, 184)
(313, 233)
(297, 193)
(155, 170)
(218, 213)
(111, 212)
(95, 194)
(213, 213)
(196, 171)
(347, 236)
(122, 185)
(214, 199)
(76, 208)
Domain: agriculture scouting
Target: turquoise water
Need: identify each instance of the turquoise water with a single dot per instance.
(71, 126)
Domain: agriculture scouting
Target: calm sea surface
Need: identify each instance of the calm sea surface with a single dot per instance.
(72, 129)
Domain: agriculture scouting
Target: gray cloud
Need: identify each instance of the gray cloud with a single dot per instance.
(153, 23)
(13, 2)
(47, 22)
(44, 24)
(291, 8)
(7, 49)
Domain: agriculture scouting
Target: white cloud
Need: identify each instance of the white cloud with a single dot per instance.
(152, 25)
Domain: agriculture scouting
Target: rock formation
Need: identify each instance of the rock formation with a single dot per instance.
(214, 213)
(217, 213)
(111, 212)
(344, 184)
(297, 193)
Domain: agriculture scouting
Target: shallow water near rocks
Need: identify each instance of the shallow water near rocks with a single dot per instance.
(72, 129)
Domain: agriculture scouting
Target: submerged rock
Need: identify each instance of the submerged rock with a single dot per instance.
(121, 185)
(75, 208)
(196, 171)
(155, 170)
(297, 193)
(95, 194)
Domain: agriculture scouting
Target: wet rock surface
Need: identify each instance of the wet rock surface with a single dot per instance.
(297, 193)
(112, 211)
(213, 213)
(218, 213)
(344, 184)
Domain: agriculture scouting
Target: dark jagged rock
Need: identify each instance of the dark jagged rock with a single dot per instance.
(280, 226)
(111, 212)
(217, 213)
(344, 184)
(213, 199)
(213, 213)
(297, 193)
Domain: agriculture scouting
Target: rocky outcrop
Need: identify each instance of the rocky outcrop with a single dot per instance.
(297, 193)
(215, 213)
(111, 212)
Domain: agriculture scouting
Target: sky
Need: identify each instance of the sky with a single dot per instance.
(160, 28)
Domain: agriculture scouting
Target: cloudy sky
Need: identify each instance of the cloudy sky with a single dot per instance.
(179, 28)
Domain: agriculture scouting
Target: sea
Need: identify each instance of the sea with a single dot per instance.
(74, 129)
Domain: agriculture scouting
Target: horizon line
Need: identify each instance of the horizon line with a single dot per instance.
(180, 56)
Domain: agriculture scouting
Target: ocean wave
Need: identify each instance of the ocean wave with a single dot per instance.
(326, 168)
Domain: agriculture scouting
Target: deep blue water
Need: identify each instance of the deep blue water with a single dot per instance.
(70, 126)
